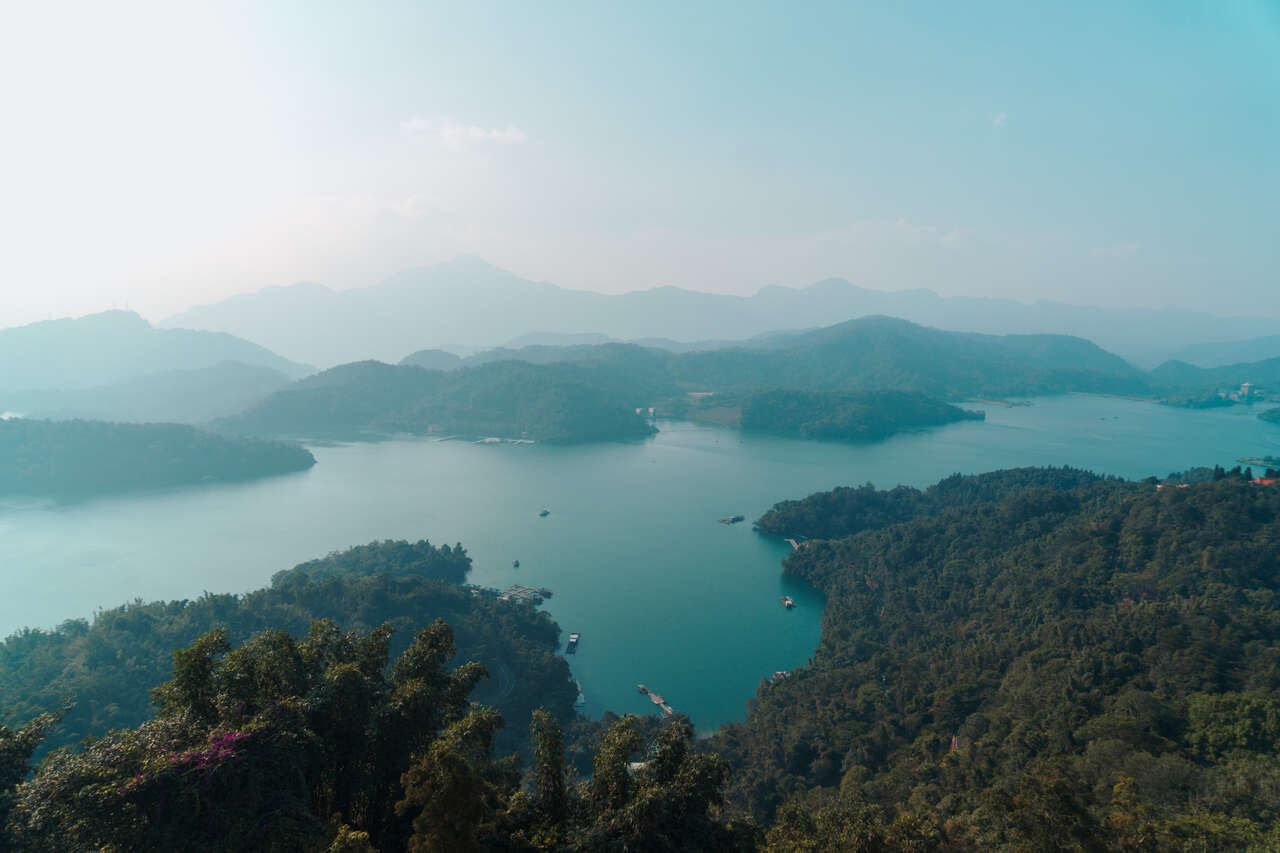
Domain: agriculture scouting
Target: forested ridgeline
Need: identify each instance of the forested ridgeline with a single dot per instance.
(107, 666)
(554, 403)
(1029, 660)
(66, 458)
(823, 384)
(847, 510)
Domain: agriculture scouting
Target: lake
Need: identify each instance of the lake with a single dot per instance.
(661, 593)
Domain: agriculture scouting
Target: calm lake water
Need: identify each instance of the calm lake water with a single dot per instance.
(661, 593)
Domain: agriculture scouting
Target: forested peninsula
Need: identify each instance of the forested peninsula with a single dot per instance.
(68, 458)
(108, 665)
(1028, 660)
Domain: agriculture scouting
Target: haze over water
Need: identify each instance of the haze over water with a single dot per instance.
(661, 593)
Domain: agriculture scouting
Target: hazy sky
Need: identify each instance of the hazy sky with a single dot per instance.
(167, 154)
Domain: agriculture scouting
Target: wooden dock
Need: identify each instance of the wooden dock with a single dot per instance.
(656, 698)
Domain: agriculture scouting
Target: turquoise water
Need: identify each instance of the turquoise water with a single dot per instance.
(661, 593)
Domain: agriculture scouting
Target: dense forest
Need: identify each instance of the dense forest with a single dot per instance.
(1029, 660)
(332, 742)
(554, 403)
(860, 416)
(88, 457)
(107, 666)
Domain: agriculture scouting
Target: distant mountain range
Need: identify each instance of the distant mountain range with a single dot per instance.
(468, 301)
(116, 346)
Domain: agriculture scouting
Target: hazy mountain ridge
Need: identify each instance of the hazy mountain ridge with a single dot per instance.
(467, 299)
(1183, 376)
(113, 346)
(172, 396)
(1223, 353)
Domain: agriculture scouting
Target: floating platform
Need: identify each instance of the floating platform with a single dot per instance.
(656, 698)
(520, 592)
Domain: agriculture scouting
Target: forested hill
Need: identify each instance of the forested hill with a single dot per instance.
(1032, 660)
(847, 510)
(69, 458)
(871, 353)
(857, 416)
(555, 402)
(107, 667)
(885, 352)
(861, 380)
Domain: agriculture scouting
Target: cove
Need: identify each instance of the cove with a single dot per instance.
(660, 592)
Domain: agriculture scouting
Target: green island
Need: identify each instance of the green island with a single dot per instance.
(57, 458)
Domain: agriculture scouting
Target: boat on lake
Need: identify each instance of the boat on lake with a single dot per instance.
(573, 643)
(544, 513)
(788, 602)
(732, 519)
(515, 564)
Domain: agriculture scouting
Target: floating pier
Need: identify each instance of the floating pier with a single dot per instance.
(520, 592)
(656, 698)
